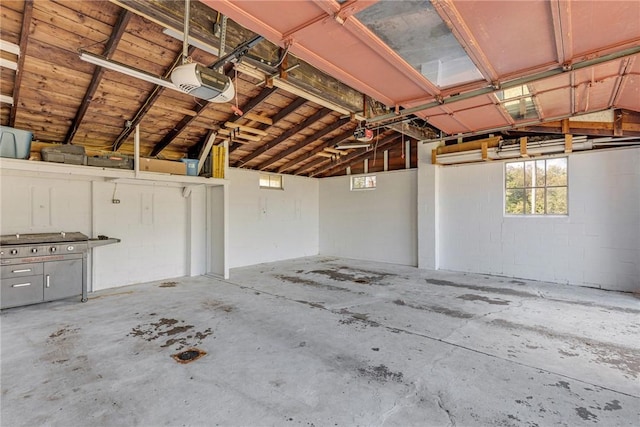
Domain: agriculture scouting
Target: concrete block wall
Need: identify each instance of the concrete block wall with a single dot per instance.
(597, 244)
(268, 225)
(377, 225)
(151, 219)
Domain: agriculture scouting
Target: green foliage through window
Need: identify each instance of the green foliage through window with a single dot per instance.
(536, 187)
(363, 182)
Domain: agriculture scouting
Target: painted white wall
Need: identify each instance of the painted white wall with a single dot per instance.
(376, 225)
(428, 209)
(597, 244)
(155, 222)
(270, 225)
(152, 223)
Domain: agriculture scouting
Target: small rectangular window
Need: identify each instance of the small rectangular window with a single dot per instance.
(271, 181)
(367, 182)
(536, 187)
(518, 102)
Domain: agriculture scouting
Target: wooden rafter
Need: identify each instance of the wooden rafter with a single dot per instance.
(148, 103)
(179, 127)
(249, 106)
(310, 139)
(27, 14)
(626, 123)
(183, 124)
(286, 135)
(116, 34)
(297, 103)
(355, 156)
(333, 141)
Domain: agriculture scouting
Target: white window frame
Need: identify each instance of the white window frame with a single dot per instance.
(276, 182)
(371, 182)
(533, 187)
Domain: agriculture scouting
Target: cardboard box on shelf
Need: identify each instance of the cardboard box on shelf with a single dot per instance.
(165, 166)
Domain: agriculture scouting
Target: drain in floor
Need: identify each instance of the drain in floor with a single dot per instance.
(188, 355)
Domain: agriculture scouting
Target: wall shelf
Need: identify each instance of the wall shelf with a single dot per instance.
(108, 174)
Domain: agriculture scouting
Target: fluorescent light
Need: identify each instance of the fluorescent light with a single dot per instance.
(6, 99)
(192, 41)
(7, 63)
(125, 69)
(9, 47)
(350, 145)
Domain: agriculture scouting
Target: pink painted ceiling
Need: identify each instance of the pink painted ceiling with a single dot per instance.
(382, 48)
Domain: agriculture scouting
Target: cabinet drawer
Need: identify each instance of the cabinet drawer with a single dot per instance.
(21, 270)
(21, 291)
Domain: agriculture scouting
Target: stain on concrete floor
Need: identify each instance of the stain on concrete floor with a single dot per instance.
(380, 373)
(315, 284)
(168, 285)
(435, 309)
(490, 289)
(625, 359)
(177, 332)
(346, 274)
(472, 297)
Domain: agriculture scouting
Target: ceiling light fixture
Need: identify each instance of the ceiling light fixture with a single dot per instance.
(350, 145)
(125, 69)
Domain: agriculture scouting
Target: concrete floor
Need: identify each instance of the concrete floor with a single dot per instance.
(326, 342)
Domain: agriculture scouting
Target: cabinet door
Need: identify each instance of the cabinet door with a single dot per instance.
(20, 291)
(62, 279)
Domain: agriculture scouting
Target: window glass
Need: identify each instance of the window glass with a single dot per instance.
(536, 187)
(363, 182)
(271, 181)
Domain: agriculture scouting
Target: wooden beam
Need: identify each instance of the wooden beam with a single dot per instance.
(116, 34)
(239, 137)
(175, 131)
(311, 153)
(568, 143)
(523, 147)
(311, 165)
(258, 118)
(248, 129)
(584, 128)
(186, 121)
(294, 105)
(27, 15)
(309, 140)
(286, 135)
(617, 123)
(148, 103)
(356, 156)
(206, 149)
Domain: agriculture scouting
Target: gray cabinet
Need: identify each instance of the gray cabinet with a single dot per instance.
(31, 283)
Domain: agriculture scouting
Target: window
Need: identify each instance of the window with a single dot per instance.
(271, 181)
(367, 182)
(518, 102)
(536, 187)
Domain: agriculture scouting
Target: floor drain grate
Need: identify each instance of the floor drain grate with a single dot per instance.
(189, 355)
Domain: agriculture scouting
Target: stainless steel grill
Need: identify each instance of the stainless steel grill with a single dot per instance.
(41, 267)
